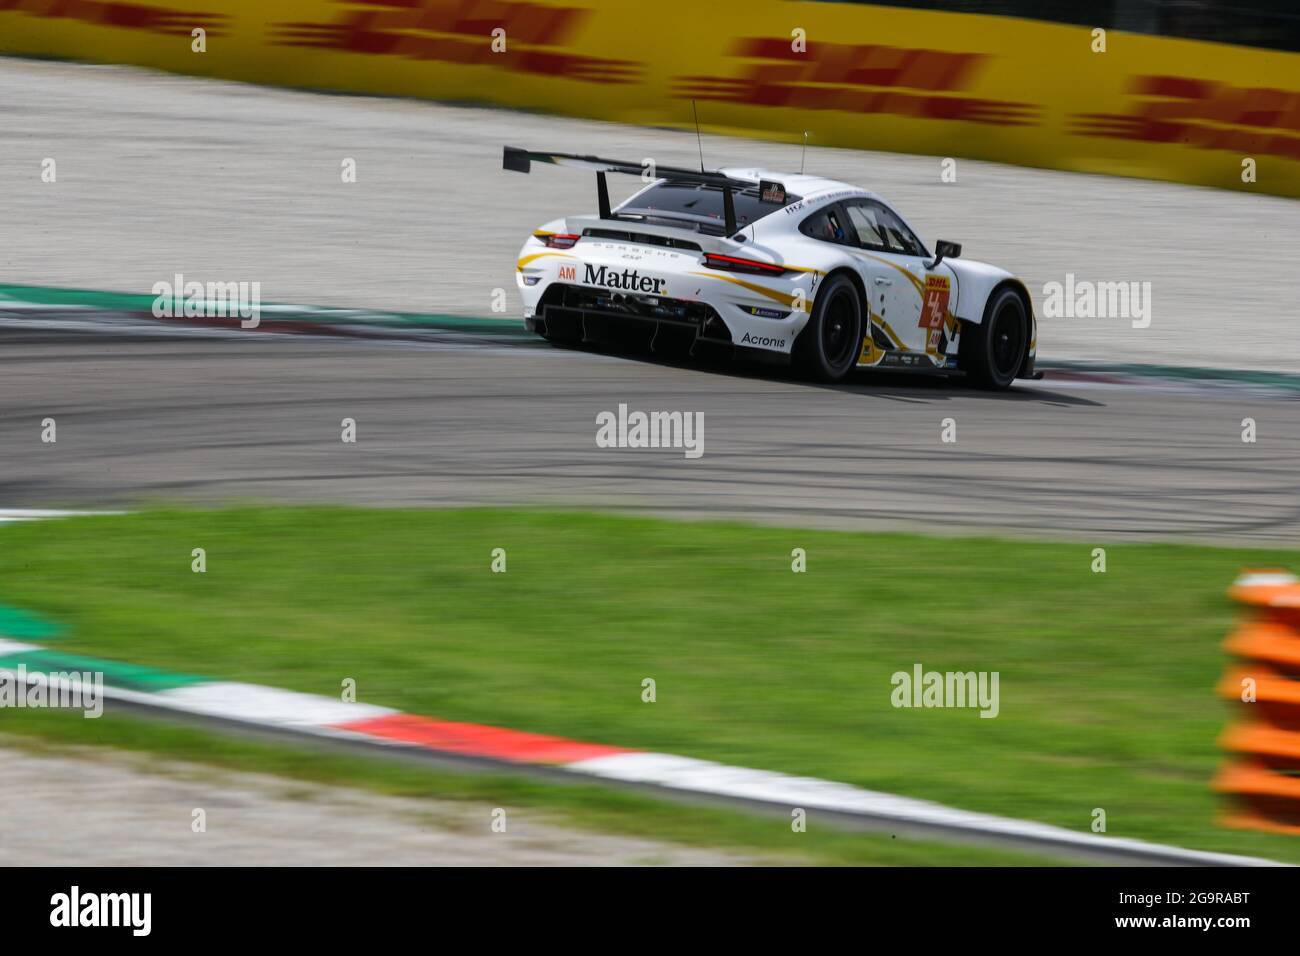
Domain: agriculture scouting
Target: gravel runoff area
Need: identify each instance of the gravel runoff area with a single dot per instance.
(160, 174)
(86, 807)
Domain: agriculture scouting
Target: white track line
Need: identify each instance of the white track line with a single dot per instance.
(39, 514)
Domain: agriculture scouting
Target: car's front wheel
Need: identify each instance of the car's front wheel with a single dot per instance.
(829, 344)
(991, 353)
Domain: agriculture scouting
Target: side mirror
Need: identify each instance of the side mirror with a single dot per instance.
(943, 249)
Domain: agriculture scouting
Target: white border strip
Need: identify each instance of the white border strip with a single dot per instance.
(765, 786)
(306, 715)
(37, 514)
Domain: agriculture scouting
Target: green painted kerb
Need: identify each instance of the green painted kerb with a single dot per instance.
(22, 626)
(116, 673)
(136, 303)
(326, 316)
(1182, 373)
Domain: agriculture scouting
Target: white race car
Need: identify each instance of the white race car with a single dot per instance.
(769, 266)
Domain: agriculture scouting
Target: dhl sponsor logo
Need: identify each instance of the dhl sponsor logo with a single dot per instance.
(1203, 114)
(125, 16)
(859, 78)
(896, 79)
(460, 32)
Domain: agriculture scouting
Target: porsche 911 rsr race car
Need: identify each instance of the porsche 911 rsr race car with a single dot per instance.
(783, 267)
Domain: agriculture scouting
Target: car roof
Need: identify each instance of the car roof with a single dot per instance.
(799, 184)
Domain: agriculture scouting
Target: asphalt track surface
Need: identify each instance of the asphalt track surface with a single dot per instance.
(215, 419)
(161, 174)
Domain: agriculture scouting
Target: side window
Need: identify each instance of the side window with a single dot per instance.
(879, 229)
(864, 219)
(827, 226)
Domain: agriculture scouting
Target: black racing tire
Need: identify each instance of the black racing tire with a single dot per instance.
(992, 353)
(828, 346)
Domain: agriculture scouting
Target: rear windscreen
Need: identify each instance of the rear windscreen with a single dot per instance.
(699, 205)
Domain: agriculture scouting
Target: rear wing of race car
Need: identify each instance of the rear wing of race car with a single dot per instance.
(521, 160)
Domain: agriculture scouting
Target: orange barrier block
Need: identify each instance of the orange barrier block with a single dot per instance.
(1262, 781)
(1269, 641)
(1270, 746)
(1261, 798)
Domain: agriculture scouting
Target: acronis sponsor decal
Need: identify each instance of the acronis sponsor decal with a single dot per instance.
(762, 341)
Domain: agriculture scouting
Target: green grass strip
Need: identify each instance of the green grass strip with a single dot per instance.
(1107, 680)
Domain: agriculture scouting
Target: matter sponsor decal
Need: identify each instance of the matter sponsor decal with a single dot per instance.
(629, 279)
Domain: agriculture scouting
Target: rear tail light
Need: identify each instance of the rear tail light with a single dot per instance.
(557, 240)
(737, 264)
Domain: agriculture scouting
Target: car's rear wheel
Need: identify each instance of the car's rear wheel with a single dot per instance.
(992, 352)
(829, 344)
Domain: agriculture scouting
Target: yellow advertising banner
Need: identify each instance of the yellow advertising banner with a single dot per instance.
(997, 88)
